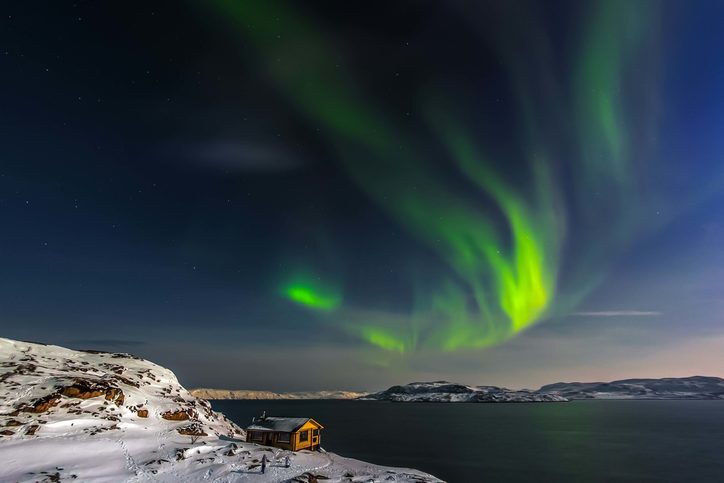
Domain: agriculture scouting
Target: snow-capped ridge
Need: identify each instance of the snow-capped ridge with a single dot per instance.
(444, 391)
(108, 389)
(692, 387)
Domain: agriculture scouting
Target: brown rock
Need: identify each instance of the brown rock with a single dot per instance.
(232, 450)
(43, 404)
(13, 422)
(112, 393)
(192, 430)
(125, 380)
(180, 454)
(180, 415)
(85, 389)
(142, 413)
(6, 432)
(32, 429)
(115, 394)
(81, 393)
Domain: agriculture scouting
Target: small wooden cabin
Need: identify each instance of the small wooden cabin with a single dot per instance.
(293, 434)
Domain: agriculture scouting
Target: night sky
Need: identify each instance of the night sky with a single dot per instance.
(348, 195)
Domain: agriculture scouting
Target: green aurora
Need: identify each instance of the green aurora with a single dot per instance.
(502, 243)
(310, 291)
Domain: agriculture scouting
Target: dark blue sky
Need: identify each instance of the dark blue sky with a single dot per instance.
(160, 183)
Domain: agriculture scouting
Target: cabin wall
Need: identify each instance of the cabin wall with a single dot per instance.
(271, 438)
(300, 445)
(312, 441)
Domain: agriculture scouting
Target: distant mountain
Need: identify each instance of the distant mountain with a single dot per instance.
(250, 394)
(443, 391)
(695, 387)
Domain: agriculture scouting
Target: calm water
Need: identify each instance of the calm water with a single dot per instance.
(582, 441)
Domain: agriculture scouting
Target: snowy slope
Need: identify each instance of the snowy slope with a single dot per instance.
(443, 391)
(68, 415)
(252, 394)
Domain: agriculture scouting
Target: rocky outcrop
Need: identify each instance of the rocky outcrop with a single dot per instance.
(40, 383)
(193, 429)
(40, 405)
(86, 389)
(178, 415)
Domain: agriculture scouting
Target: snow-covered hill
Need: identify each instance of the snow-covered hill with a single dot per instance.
(251, 394)
(695, 387)
(91, 416)
(443, 391)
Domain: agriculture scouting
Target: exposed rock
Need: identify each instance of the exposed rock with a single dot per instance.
(82, 391)
(232, 450)
(116, 395)
(179, 415)
(43, 404)
(142, 413)
(192, 430)
(87, 389)
(181, 454)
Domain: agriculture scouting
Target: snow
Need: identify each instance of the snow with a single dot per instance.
(70, 415)
(693, 387)
(443, 391)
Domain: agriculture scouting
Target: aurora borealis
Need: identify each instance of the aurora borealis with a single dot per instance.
(409, 190)
(501, 242)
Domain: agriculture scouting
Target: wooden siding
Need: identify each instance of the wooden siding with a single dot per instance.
(312, 441)
(271, 438)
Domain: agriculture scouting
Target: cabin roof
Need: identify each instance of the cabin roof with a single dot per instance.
(287, 425)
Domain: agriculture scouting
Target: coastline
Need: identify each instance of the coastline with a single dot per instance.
(112, 417)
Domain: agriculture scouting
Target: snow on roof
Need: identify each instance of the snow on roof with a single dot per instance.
(271, 423)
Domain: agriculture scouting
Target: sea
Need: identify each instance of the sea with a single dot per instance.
(578, 441)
